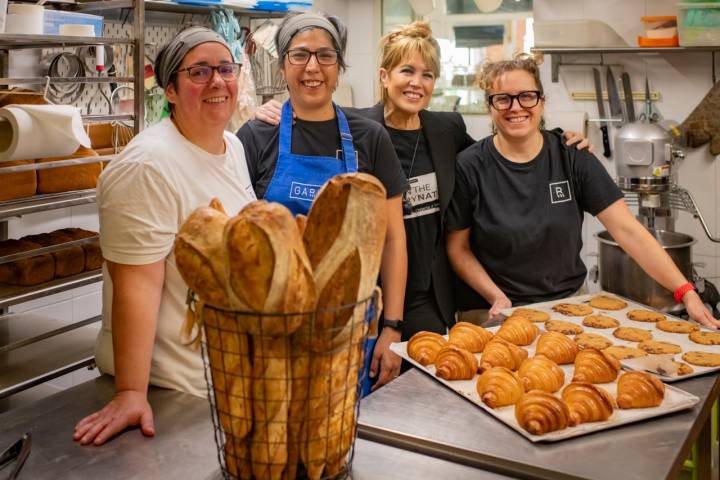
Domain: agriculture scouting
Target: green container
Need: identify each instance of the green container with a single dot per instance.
(699, 24)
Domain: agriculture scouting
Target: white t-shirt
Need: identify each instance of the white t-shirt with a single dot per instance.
(143, 198)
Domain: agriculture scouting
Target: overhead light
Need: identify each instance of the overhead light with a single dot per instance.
(487, 6)
(423, 7)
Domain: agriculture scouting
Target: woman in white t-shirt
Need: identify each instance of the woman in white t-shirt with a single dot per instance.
(143, 197)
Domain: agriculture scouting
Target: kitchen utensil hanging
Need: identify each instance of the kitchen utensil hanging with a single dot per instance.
(601, 112)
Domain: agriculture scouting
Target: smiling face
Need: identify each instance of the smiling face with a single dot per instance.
(198, 107)
(311, 85)
(516, 122)
(409, 84)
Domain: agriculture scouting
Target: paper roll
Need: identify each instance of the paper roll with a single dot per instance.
(37, 131)
(24, 18)
(575, 121)
(76, 30)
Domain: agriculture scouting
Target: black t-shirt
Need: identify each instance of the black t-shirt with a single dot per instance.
(376, 155)
(422, 222)
(526, 219)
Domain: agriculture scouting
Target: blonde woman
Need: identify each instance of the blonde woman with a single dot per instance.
(515, 222)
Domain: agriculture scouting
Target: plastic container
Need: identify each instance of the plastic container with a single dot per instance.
(660, 31)
(699, 24)
(576, 33)
(55, 18)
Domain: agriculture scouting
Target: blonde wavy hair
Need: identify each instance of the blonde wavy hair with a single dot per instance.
(398, 45)
(491, 71)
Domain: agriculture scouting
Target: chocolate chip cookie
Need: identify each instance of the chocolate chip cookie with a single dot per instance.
(702, 359)
(632, 334)
(645, 316)
(657, 347)
(592, 340)
(573, 309)
(531, 314)
(675, 326)
(705, 338)
(621, 352)
(568, 328)
(604, 302)
(600, 321)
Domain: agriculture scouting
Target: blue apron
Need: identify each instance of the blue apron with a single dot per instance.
(298, 178)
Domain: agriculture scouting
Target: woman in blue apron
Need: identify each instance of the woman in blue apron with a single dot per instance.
(290, 162)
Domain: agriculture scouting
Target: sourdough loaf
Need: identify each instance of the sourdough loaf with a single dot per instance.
(75, 177)
(93, 255)
(68, 261)
(28, 271)
(17, 184)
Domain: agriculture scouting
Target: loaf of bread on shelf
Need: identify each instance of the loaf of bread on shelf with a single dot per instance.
(639, 390)
(587, 403)
(74, 177)
(68, 261)
(423, 347)
(594, 366)
(501, 353)
(27, 271)
(499, 387)
(93, 255)
(541, 373)
(22, 96)
(471, 337)
(455, 363)
(518, 330)
(17, 184)
(541, 412)
(200, 254)
(558, 347)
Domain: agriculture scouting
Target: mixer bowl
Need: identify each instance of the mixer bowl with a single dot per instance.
(620, 274)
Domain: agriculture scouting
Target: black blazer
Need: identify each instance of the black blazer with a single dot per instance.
(447, 136)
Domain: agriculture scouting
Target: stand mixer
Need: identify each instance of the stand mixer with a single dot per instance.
(645, 153)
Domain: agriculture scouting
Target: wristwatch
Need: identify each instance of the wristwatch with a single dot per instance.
(396, 324)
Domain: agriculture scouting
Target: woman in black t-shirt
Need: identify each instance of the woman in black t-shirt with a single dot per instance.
(290, 162)
(515, 222)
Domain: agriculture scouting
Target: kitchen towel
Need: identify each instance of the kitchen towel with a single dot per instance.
(575, 121)
(37, 131)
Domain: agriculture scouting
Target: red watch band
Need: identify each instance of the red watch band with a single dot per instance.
(682, 290)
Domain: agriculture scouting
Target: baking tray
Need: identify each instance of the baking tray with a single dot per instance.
(675, 400)
(680, 339)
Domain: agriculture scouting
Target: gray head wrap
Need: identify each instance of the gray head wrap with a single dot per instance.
(306, 20)
(170, 57)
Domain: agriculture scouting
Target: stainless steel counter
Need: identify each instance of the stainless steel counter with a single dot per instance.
(183, 447)
(416, 412)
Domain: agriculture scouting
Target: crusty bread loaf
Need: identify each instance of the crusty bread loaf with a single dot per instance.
(22, 96)
(28, 271)
(200, 254)
(93, 255)
(17, 184)
(68, 261)
(267, 268)
(75, 177)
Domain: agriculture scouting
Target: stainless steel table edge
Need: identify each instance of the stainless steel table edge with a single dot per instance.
(456, 454)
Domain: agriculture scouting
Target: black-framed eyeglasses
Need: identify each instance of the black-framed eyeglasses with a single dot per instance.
(203, 73)
(504, 101)
(324, 56)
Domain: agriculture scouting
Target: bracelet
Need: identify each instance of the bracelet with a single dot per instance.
(682, 290)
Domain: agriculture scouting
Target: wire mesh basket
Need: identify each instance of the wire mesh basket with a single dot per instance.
(284, 398)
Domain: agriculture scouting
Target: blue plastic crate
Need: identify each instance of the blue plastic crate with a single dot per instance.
(54, 18)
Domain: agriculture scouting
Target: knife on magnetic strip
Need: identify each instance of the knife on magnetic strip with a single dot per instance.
(601, 113)
(629, 101)
(614, 98)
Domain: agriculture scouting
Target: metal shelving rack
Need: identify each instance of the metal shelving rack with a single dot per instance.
(35, 349)
(557, 53)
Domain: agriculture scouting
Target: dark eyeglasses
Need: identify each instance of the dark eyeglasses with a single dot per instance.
(203, 73)
(504, 101)
(324, 56)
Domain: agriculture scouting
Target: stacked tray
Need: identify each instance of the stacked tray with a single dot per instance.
(681, 340)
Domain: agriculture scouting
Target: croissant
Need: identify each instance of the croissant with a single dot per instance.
(501, 353)
(594, 366)
(518, 330)
(587, 403)
(423, 347)
(557, 347)
(498, 387)
(472, 338)
(541, 412)
(639, 390)
(455, 363)
(541, 373)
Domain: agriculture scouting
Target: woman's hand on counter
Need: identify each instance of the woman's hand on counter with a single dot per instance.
(384, 360)
(697, 311)
(127, 409)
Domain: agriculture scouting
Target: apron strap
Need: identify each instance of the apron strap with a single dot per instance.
(347, 141)
(286, 121)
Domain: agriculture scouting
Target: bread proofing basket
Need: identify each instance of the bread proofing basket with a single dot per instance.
(284, 406)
